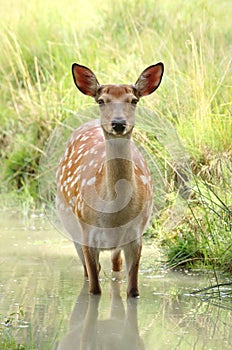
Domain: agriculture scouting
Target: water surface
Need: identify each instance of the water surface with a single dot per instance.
(41, 272)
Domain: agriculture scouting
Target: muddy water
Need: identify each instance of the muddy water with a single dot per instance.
(41, 275)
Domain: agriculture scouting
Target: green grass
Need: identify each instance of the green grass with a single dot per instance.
(39, 41)
(7, 323)
(202, 238)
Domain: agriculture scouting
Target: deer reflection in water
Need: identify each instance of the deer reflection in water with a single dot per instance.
(86, 331)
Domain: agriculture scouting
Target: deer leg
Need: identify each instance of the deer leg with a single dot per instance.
(132, 253)
(93, 267)
(82, 258)
(116, 260)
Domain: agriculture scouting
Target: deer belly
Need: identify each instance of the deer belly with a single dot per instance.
(102, 230)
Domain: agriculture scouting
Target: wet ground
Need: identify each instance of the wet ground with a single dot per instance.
(42, 276)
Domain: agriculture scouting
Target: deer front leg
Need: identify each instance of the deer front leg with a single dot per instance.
(81, 256)
(132, 253)
(91, 256)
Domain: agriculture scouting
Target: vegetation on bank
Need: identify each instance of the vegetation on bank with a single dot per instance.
(39, 42)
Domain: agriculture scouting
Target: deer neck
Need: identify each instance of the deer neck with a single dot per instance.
(119, 166)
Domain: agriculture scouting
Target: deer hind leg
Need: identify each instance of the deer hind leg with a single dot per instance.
(116, 260)
(93, 267)
(132, 253)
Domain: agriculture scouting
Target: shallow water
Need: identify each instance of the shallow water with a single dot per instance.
(41, 272)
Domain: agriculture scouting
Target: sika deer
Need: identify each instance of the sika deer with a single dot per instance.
(104, 188)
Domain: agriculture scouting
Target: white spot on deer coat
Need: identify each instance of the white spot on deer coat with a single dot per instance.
(72, 152)
(70, 163)
(75, 181)
(86, 152)
(91, 181)
(100, 169)
(84, 138)
(78, 168)
(144, 179)
(69, 179)
(73, 200)
(83, 182)
(78, 158)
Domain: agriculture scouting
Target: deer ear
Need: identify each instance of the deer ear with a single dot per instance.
(85, 80)
(149, 79)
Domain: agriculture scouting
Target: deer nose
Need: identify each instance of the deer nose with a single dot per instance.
(119, 125)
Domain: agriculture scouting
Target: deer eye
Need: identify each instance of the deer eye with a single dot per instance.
(134, 101)
(100, 101)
